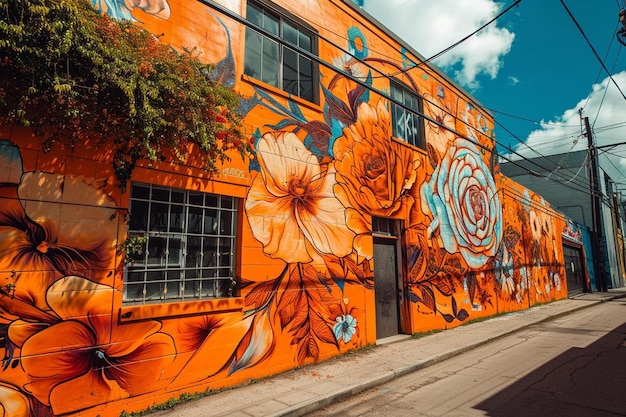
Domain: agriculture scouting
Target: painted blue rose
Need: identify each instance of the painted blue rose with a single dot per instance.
(462, 198)
(345, 328)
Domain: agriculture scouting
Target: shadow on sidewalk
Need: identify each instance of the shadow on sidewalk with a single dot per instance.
(581, 382)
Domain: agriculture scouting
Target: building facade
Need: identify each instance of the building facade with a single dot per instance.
(373, 206)
(564, 180)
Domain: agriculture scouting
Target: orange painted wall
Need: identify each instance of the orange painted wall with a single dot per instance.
(472, 243)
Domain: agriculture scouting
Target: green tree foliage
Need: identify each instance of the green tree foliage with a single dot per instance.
(74, 74)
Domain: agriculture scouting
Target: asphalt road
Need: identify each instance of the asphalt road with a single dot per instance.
(574, 366)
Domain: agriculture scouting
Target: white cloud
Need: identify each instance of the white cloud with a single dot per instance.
(604, 106)
(431, 26)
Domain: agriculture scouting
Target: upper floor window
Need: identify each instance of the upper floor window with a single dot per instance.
(189, 253)
(407, 124)
(279, 64)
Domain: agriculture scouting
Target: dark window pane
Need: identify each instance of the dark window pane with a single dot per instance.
(160, 194)
(254, 14)
(270, 23)
(209, 249)
(138, 191)
(290, 34)
(138, 215)
(210, 221)
(305, 42)
(197, 199)
(156, 250)
(176, 218)
(227, 202)
(193, 258)
(192, 287)
(306, 78)
(172, 285)
(177, 197)
(290, 71)
(269, 70)
(226, 223)
(158, 217)
(174, 252)
(194, 220)
(252, 57)
(212, 200)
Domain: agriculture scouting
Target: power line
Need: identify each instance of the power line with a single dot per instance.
(383, 94)
(595, 53)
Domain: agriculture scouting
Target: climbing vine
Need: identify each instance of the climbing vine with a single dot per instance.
(74, 74)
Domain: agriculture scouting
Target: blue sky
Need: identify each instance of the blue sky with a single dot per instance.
(532, 63)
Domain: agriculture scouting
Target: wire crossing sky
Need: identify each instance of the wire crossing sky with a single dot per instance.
(535, 67)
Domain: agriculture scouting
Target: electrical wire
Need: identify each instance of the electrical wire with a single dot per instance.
(595, 53)
(229, 13)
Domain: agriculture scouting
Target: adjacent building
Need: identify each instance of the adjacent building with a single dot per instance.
(564, 180)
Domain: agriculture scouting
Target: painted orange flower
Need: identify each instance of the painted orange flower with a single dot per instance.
(13, 403)
(374, 173)
(440, 132)
(89, 352)
(291, 206)
(54, 226)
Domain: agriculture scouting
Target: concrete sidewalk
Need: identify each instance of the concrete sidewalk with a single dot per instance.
(301, 391)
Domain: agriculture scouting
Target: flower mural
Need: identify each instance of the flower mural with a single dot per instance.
(463, 200)
(374, 173)
(57, 226)
(291, 206)
(306, 289)
(345, 328)
(90, 352)
(440, 124)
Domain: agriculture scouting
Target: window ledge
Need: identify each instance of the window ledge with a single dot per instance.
(130, 313)
(282, 93)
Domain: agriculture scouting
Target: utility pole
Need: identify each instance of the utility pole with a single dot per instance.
(596, 207)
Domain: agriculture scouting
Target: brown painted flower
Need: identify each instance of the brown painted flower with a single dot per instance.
(374, 173)
(440, 132)
(52, 226)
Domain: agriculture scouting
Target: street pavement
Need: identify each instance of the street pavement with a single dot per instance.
(304, 390)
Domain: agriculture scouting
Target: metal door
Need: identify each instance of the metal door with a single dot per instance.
(573, 269)
(386, 288)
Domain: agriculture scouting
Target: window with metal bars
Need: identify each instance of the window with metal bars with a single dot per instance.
(189, 248)
(407, 124)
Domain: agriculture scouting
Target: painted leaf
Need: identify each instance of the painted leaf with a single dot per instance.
(338, 109)
(510, 238)
(322, 329)
(283, 124)
(295, 110)
(433, 157)
(320, 135)
(471, 286)
(462, 315)
(449, 318)
(256, 345)
(428, 298)
(224, 71)
(308, 348)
